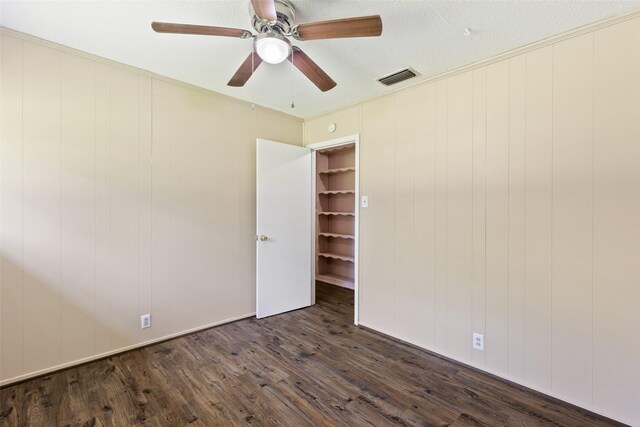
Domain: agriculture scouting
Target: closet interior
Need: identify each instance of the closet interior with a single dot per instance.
(335, 215)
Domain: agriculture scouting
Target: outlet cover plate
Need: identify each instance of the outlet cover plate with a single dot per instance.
(478, 341)
(145, 321)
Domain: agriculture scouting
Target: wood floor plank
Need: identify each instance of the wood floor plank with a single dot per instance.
(309, 367)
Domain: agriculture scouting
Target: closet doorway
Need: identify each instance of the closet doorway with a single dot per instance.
(336, 208)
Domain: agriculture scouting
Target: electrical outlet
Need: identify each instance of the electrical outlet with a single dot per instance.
(145, 321)
(478, 341)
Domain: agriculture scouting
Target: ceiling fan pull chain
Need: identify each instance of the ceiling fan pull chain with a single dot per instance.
(292, 84)
(253, 52)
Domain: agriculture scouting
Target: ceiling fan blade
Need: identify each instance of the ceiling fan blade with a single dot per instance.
(363, 26)
(246, 70)
(168, 27)
(310, 69)
(265, 9)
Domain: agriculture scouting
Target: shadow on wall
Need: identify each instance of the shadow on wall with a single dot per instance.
(46, 323)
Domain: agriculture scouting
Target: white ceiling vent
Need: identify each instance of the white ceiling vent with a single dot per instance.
(398, 76)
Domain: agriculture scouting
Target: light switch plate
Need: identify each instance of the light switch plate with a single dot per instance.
(365, 202)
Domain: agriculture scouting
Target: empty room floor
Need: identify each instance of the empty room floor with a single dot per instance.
(307, 367)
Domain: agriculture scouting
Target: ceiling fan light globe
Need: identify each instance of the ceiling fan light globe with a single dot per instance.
(272, 48)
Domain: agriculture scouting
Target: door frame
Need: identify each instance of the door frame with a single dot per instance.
(347, 140)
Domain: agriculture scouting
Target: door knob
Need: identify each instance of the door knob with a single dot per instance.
(263, 238)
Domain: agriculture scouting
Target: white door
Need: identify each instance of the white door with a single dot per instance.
(283, 237)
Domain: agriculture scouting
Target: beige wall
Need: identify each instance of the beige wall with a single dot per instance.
(505, 200)
(121, 194)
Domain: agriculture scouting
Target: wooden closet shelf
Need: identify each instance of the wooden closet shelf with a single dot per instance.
(334, 279)
(335, 210)
(337, 213)
(336, 256)
(337, 170)
(337, 149)
(340, 236)
(337, 192)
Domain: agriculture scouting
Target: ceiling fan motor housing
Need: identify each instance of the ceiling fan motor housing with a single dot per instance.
(286, 16)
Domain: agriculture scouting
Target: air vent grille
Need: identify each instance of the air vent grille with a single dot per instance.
(398, 76)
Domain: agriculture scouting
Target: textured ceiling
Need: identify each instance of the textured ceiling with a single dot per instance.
(427, 35)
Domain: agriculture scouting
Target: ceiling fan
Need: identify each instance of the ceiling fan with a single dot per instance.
(274, 22)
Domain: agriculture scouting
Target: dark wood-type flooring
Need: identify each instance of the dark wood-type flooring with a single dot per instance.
(310, 367)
